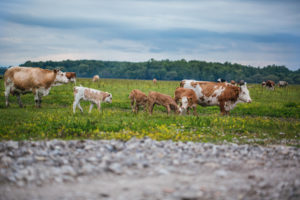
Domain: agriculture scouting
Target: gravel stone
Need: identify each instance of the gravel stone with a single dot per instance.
(147, 169)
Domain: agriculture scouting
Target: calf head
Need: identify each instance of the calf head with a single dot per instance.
(244, 95)
(71, 76)
(185, 103)
(61, 77)
(107, 98)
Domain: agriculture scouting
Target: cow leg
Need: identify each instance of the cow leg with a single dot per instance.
(19, 100)
(39, 99)
(195, 110)
(6, 93)
(36, 99)
(222, 108)
(91, 107)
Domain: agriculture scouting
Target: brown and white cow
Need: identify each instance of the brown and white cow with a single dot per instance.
(282, 83)
(163, 100)
(188, 99)
(224, 95)
(270, 84)
(96, 78)
(22, 80)
(71, 76)
(137, 98)
(91, 95)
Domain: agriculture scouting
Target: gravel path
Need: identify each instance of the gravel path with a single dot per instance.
(146, 169)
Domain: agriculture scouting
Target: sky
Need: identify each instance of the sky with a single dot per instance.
(249, 32)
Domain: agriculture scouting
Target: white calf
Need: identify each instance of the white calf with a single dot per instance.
(92, 95)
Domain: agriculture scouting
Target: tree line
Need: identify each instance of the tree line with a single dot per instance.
(171, 70)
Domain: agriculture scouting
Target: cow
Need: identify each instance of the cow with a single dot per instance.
(263, 84)
(224, 95)
(282, 83)
(188, 99)
(154, 81)
(233, 82)
(221, 80)
(71, 76)
(96, 78)
(163, 100)
(92, 95)
(137, 98)
(22, 80)
(270, 84)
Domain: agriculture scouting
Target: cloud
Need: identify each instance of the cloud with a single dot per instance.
(248, 32)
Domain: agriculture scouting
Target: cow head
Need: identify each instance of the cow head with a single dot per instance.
(108, 98)
(61, 77)
(245, 94)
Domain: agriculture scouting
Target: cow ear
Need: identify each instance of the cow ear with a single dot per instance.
(55, 70)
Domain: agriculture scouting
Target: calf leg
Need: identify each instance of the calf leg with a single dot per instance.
(75, 103)
(136, 108)
(91, 107)
(168, 109)
(79, 106)
(99, 106)
(132, 105)
(150, 107)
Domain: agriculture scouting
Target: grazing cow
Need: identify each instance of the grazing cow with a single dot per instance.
(224, 95)
(96, 78)
(270, 84)
(71, 76)
(188, 99)
(138, 98)
(233, 82)
(263, 84)
(282, 83)
(92, 95)
(163, 100)
(22, 80)
(221, 80)
(154, 81)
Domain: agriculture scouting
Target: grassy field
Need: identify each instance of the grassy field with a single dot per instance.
(272, 118)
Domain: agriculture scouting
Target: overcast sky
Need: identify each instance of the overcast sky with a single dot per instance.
(250, 32)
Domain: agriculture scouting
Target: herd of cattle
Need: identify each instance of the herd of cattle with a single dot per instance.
(190, 93)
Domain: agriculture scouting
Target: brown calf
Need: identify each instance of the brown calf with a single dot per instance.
(138, 98)
(188, 99)
(163, 100)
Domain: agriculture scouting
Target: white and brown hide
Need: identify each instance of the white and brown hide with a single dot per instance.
(92, 95)
(22, 80)
(137, 98)
(163, 100)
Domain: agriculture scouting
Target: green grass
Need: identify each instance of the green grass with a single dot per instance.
(272, 118)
